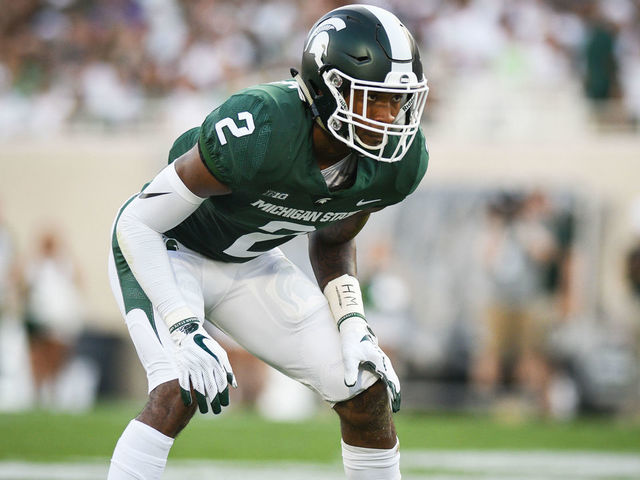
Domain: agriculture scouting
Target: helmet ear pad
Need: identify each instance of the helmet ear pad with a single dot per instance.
(341, 87)
(323, 98)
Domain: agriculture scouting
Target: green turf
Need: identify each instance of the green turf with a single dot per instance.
(41, 436)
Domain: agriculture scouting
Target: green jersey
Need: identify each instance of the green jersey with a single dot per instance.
(259, 144)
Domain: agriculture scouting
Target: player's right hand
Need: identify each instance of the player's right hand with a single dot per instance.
(203, 364)
(360, 350)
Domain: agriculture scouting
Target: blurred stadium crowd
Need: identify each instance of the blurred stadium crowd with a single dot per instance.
(486, 285)
(120, 62)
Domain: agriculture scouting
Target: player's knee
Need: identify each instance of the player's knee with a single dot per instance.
(165, 410)
(367, 417)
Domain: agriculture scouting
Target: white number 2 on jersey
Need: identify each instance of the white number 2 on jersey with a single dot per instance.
(233, 128)
(241, 247)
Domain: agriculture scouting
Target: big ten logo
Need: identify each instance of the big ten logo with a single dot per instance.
(276, 195)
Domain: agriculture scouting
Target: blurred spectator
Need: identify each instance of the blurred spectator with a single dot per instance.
(482, 39)
(518, 251)
(53, 314)
(633, 277)
(387, 301)
(15, 388)
(600, 80)
(108, 95)
(632, 267)
(600, 75)
(8, 274)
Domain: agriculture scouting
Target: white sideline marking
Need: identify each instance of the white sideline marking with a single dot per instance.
(541, 465)
(416, 465)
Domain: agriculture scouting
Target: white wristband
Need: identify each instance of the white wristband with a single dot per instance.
(345, 298)
(178, 318)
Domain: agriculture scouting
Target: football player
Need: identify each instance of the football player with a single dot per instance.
(312, 155)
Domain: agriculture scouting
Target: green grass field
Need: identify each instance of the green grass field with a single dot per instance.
(41, 436)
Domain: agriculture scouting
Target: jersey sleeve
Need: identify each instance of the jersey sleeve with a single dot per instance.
(414, 166)
(234, 139)
(183, 144)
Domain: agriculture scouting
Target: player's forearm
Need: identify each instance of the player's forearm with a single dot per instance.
(330, 261)
(146, 255)
(161, 206)
(332, 250)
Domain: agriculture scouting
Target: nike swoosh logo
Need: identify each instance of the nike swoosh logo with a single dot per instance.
(366, 202)
(199, 340)
(151, 195)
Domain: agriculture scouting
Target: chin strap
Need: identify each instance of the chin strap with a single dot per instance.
(308, 97)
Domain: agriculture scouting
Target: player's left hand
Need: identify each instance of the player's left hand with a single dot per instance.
(360, 348)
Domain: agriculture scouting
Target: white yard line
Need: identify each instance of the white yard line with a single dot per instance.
(416, 465)
(529, 465)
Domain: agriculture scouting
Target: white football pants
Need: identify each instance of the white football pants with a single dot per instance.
(267, 305)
